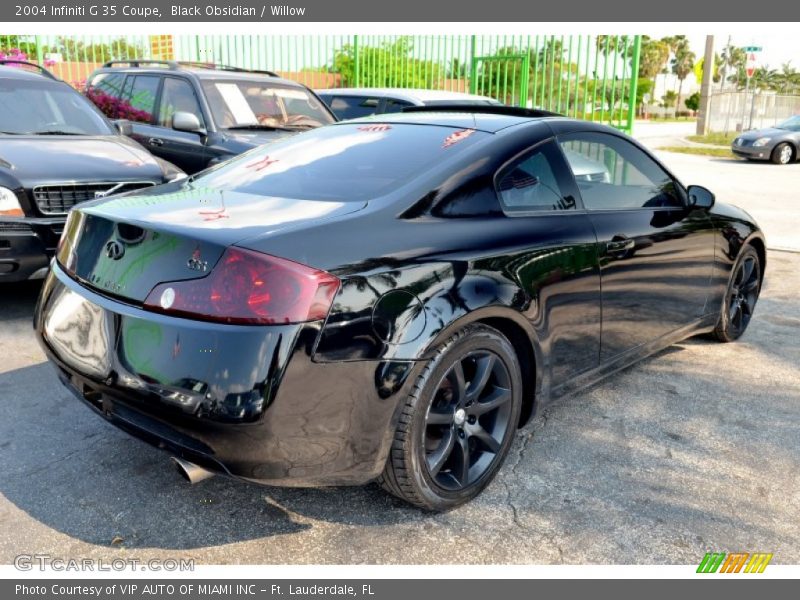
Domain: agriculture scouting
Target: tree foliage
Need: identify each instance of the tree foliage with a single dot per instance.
(390, 64)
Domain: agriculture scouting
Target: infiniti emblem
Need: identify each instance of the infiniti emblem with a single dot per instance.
(114, 250)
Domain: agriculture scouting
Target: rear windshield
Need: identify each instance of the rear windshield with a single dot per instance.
(348, 162)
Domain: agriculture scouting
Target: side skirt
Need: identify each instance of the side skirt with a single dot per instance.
(704, 324)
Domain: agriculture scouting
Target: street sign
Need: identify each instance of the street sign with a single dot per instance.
(750, 66)
(752, 48)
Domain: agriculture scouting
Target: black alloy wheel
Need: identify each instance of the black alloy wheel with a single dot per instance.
(740, 297)
(467, 420)
(458, 422)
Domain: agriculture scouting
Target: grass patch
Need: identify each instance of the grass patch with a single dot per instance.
(717, 138)
(701, 150)
(668, 120)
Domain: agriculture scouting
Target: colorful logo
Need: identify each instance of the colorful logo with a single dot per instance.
(735, 562)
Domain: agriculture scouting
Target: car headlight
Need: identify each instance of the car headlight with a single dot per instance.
(761, 141)
(9, 203)
(169, 171)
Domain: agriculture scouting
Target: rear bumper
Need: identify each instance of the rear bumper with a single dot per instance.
(26, 247)
(246, 401)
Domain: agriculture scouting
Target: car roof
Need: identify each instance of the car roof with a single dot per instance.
(480, 121)
(20, 73)
(204, 73)
(412, 95)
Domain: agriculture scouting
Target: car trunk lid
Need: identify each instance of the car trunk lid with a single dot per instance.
(126, 245)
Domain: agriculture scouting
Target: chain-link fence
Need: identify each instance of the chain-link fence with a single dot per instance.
(740, 111)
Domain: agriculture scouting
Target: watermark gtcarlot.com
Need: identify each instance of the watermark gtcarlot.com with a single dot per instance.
(48, 562)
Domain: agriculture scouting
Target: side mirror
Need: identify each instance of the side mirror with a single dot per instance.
(123, 126)
(186, 121)
(700, 197)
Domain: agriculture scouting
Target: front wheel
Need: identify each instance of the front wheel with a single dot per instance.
(458, 422)
(740, 297)
(782, 154)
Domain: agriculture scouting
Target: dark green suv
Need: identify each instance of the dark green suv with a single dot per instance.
(196, 114)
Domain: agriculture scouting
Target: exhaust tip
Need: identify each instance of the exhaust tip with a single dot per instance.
(191, 472)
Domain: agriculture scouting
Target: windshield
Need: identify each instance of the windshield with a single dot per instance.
(792, 124)
(47, 108)
(257, 104)
(344, 163)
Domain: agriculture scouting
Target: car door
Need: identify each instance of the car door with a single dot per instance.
(656, 253)
(559, 270)
(140, 99)
(186, 149)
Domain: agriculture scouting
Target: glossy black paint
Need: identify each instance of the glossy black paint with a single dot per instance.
(316, 403)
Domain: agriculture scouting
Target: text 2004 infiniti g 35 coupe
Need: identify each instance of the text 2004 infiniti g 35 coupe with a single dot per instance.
(389, 298)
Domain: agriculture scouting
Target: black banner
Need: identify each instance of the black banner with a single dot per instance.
(392, 589)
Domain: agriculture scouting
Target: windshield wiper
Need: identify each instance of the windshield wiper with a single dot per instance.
(258, 126)
(55, 132)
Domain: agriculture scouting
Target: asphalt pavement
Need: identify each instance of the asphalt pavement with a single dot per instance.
(694, 450)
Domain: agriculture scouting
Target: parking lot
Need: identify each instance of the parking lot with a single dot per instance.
(694, 450)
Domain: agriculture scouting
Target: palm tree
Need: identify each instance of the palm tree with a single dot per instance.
(682, 63)
(654, 54)
(734, 59)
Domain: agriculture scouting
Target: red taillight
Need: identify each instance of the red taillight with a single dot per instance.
(248, 287)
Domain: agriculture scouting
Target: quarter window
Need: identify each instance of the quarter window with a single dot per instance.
(531, 183)
(613, 174)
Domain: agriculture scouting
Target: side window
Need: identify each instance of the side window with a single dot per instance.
(140, 94)
(107, 83)
(395, 106)
(177, 96)
(352, 107)
(531, 183)
(613, 174)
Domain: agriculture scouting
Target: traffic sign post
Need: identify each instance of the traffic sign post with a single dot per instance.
(750, 65)
(750, 70)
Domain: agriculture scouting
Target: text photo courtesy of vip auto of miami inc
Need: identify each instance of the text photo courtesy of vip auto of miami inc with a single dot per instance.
(470, 299)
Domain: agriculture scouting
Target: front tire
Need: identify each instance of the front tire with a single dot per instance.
(740, 297)
(782, 154)
(458, 422)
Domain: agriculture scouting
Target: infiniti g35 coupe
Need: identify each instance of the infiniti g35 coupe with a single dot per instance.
(387, 299)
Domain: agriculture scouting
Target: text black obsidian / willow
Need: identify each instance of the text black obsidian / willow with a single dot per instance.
(388, 298)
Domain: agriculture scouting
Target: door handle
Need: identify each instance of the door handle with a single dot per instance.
(155, 142)
(620, 244)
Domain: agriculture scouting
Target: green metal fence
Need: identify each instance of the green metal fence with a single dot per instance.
(590, 77)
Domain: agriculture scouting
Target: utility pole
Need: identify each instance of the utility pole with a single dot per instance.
(703, 118)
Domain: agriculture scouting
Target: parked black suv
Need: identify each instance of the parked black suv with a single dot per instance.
(56, 149)
(197, 114)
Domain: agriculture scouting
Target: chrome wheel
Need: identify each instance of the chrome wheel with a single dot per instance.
(782, 154)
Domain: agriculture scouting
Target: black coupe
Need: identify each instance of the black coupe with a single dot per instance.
(389, 298)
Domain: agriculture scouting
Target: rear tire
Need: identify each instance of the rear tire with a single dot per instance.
(458, 422)
(782, 154)
(740, 297)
